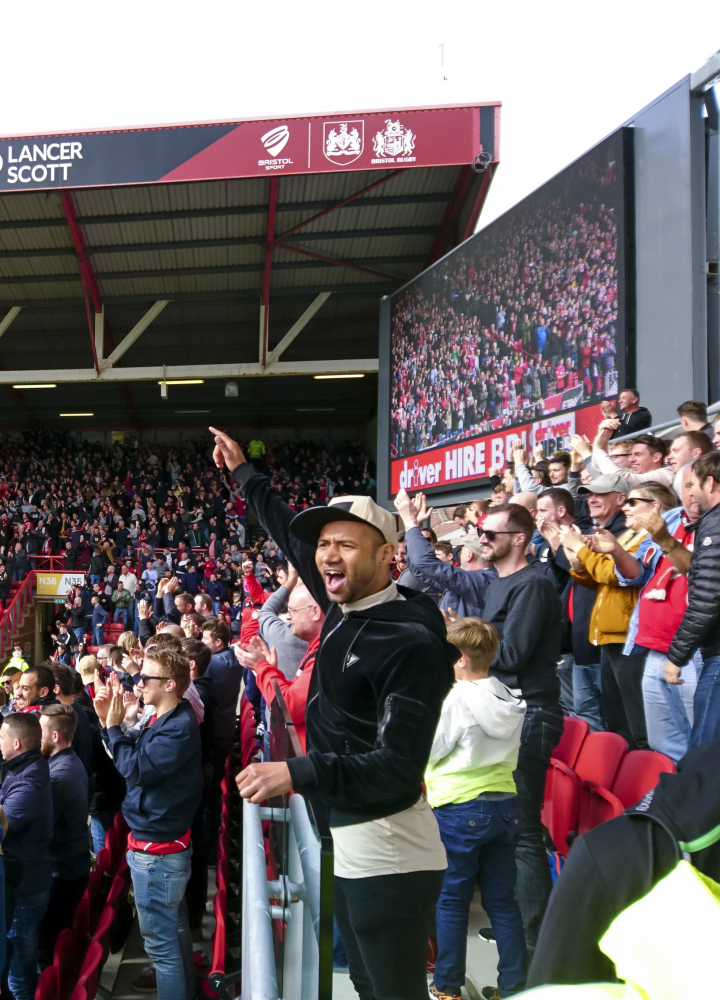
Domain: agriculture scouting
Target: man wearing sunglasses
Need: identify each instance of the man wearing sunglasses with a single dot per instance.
(163, 771)
(526, 611)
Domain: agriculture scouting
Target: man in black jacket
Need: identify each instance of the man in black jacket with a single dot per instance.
(382, 672)
(526, 611)
(69, 851)
(633, 416)
(700, 627)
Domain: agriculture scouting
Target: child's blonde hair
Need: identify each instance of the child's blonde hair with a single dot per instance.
(476, 638)
(128, 640)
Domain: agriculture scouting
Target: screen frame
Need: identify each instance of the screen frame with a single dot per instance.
(627, 312)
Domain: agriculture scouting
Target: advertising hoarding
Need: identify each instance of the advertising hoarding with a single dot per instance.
(519, 333)
(320, 144)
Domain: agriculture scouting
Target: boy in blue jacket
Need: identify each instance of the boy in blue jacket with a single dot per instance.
(163, 771)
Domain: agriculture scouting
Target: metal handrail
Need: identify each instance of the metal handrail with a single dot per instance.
(713, 408)
(259, 981)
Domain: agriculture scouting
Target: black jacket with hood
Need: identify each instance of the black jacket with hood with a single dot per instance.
(619, 862)
(379, 681)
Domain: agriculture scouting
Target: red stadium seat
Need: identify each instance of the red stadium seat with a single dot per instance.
(574, 733)
(47, 987)
(104, 930)
(597, 805)
(112, 846)
(90, 972)
(560, 808)
(65, 960)
(600, 757)
(81, 922)
(639, 772)
(79, 993)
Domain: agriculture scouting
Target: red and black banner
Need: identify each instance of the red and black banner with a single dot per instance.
(378, 140)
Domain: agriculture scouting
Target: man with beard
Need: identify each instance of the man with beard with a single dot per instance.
(700, 626)
(381, 674)
(526, 611)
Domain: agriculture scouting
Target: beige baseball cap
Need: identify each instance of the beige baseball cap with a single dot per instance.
(307, 525)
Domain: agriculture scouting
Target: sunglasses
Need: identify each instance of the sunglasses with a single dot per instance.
(491, 535)
(144, 678)
(634, 501)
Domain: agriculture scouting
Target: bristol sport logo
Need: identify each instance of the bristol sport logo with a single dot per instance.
(276, 139)
(343, 142)
(395, 144)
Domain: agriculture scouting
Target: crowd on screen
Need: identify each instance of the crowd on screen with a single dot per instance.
(428, 682)
(516, 317)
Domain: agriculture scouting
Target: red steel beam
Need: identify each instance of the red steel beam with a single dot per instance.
(480, 199)
(267, 272)
(87, 275)
(340, 263)
(450, 215)
(91, 290)
(339, 204)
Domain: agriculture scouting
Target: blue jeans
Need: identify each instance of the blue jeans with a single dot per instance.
(669, 707)
(98, 639)
(121, 616)
(541, 732)
(22, 936)
(79, 634)
(706, 707)
(159, 882)
(94, 579)
(216, 607)
(98, 829)
(18, 575)
(480, 838)
(587, 695)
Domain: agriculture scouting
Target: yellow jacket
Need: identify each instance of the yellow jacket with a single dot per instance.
(614, 604)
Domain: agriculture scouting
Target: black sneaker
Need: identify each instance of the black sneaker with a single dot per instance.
(490, 992)
(487, 934)
(146, 982)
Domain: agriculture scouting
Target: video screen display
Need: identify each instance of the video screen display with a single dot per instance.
(519, 333)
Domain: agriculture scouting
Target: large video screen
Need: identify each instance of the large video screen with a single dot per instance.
(520, 332)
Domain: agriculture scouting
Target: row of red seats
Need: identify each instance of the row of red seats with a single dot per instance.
(81, 952)
(223, 973)
(592, 778)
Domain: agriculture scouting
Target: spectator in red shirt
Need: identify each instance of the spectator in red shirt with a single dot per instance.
(306, 622)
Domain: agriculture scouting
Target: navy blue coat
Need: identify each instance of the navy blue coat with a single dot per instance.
(226, 673)
(462, 591)
(69, 849)
(26, 797)
(163, 771)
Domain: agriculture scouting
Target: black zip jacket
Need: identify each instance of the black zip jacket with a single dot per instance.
(700, 627)
(377, 689)
(632, 422)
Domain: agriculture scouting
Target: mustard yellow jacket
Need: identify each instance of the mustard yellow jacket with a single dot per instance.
(614, 604)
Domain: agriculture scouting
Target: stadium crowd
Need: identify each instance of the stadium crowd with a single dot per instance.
(492, 336)
(428, 684)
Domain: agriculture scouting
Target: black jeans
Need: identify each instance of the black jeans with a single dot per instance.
(621, 679)
(385, 922)
(541, 733)
(65, 894)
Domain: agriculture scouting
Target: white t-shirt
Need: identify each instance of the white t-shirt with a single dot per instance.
(408, 841)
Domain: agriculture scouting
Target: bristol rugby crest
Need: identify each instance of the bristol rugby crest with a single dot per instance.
(397, 142)
(343, 142)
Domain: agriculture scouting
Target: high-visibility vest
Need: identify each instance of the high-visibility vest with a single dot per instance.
(663, 946)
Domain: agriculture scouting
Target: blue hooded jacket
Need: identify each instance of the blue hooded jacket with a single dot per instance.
(163, 770)
(26, 797)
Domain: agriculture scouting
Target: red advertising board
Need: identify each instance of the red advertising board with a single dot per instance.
(468, 461)
(374, 140)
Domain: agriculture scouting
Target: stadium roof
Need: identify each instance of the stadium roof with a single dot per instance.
(223, 251)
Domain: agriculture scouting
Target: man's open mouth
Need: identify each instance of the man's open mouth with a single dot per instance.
(334, 580)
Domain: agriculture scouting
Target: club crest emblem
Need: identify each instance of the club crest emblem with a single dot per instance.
(343, 142)
(396, 140)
